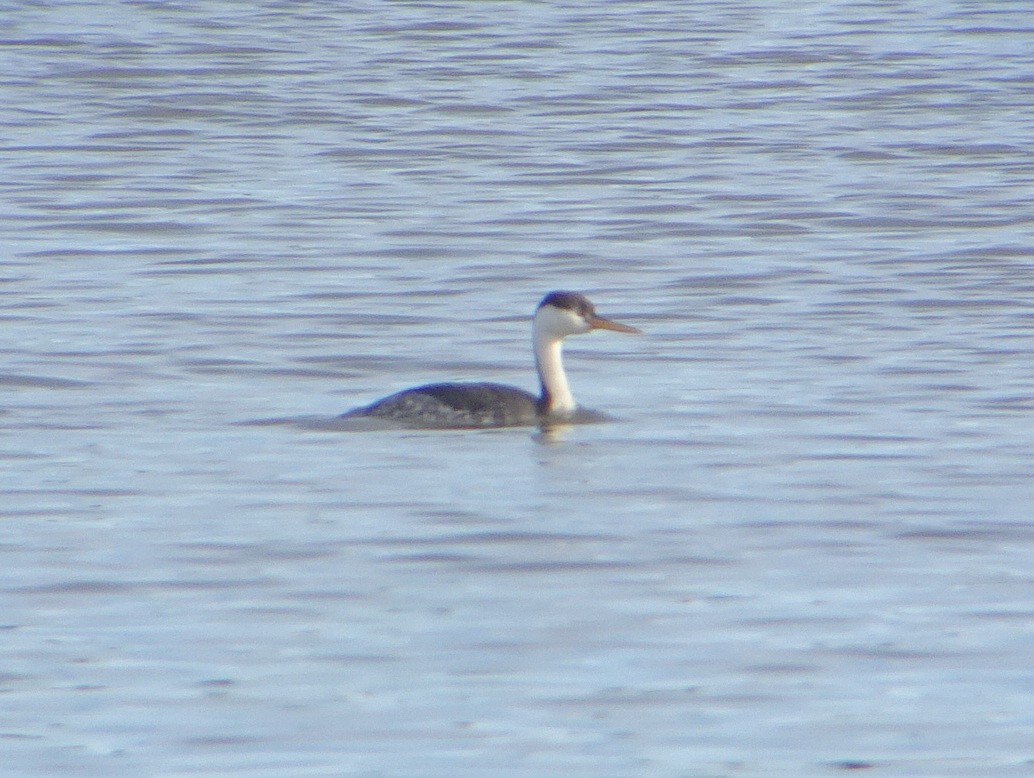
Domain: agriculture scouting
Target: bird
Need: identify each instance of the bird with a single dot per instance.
(486, 405)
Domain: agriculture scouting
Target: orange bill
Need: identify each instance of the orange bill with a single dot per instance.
(599, 323)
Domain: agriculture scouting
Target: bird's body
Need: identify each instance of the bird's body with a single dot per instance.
(473, 405)
(457, 405)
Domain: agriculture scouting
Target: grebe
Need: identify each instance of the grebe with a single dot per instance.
(469, 405)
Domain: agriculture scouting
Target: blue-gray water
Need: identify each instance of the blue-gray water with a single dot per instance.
(806, 546)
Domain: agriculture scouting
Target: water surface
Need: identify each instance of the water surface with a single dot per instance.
(804, 546)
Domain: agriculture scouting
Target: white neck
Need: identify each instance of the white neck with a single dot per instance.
(550, 365)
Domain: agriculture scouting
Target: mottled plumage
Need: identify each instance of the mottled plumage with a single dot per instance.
(457, 405)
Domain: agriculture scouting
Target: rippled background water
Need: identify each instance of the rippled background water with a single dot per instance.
(805, 548)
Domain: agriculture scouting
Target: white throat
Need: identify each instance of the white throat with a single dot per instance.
(551, 326)
(549, 361)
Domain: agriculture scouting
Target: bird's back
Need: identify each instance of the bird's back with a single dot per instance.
(456, 405)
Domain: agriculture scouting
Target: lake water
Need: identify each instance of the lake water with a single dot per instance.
(804, 548)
